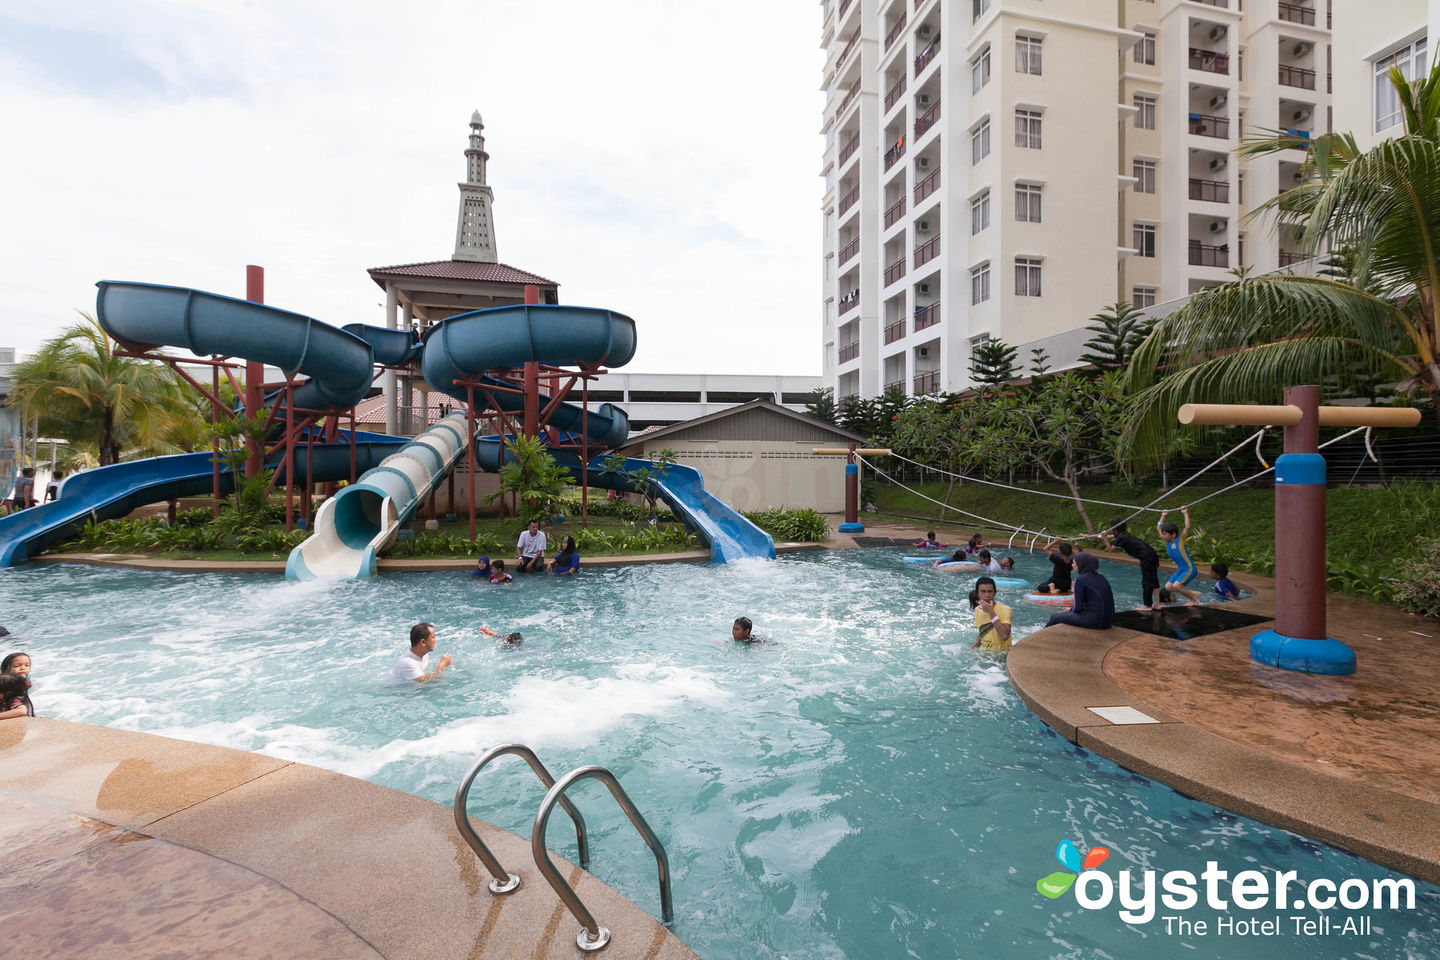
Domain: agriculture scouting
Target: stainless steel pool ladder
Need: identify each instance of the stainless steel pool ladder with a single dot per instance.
(502, 881)
(592, 935)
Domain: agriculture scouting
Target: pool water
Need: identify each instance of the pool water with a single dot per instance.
(862, 786)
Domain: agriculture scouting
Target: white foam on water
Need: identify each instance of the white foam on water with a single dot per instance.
(567, 712)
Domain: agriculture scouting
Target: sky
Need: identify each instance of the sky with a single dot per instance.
(657, 157)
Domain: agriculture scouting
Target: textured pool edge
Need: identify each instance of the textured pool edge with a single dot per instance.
(1061, 671)
(328, 850)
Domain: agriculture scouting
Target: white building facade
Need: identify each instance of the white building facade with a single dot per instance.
(1006, 168)
(1366, 46)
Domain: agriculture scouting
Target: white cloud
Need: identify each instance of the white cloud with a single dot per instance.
(655, 157)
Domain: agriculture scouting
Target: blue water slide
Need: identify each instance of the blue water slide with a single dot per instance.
(113, 491)
(355, 526)
(470, 344)
(337, 364)
(727, 533)
(393, 348)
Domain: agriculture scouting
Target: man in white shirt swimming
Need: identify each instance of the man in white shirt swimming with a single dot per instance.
(414, 664)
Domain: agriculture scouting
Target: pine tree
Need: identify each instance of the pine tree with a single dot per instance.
(1117, 331)
(821, 405)
(1039, 362)
(993, 363)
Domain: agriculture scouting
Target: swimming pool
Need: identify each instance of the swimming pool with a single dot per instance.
(863, 787)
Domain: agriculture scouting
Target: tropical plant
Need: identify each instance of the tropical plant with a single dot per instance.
(1244, 341)
(533, 476)
(1419, 588)
(944, 434)
(993, 363)
(84, 391)
(873, 417)
(1116, 332)
(1039, 361)
(641, 479)
(803, 525)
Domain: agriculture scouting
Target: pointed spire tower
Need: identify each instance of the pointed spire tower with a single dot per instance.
(475, 231)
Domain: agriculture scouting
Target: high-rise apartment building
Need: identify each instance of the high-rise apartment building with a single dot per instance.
(1005, 168)
(1371, 38)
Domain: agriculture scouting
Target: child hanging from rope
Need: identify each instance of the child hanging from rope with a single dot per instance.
(1116, 535)
(1174, 539)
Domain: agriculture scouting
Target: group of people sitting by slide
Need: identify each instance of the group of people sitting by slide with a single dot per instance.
(530, 558)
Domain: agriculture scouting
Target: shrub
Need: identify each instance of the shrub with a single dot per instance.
(1419, 588)
(792, 526)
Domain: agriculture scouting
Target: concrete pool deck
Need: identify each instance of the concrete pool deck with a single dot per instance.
(134, 846)
(1347, 760)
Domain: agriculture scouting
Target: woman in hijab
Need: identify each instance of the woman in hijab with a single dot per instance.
(1094, 606)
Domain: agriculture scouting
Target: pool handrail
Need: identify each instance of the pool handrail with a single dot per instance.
(593, 936)
(511, 882)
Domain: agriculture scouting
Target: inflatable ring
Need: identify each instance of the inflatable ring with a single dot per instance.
(930, 559)
(1006, 581)
(1053, 598)
(958, 566)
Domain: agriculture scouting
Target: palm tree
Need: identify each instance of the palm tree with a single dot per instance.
(87, 394)
(1246, 340)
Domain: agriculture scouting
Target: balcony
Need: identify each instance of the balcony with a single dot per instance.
(849, 352)
(927, 316)
(848, 251)
(892, 96)
(895, 31)
(894, 212)
(1297, 77)
(894, 331)
(927, 186)
(895, 386)
(1203, 125)
(1211, 191)
(1207, 255)
(1297, 14)
(844, 5)
(1210, 61)
(894, 153)
(847, 200)
(850, 301)
(894, 271)
(849, 47)
(1288, 258)
(927, 119)
(1222, 4)
(848, 151)
(925, 56)
(928, 382)
(927, 251)
(848, 99)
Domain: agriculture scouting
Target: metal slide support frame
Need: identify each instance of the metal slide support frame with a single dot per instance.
(503, 881)
(593, 936)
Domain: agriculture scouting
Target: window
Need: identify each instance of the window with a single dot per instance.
(980, 283)
(980, 71)
(1142, 297)
(1144, 112)
(1145, 49)
(1027, 202)
(1027, 276)
(1410, 59)
(980, 213)
(1027, 129)
(979, 7)
(980, 142)
(1027, 54)
(1144, 172)
(1143, 239)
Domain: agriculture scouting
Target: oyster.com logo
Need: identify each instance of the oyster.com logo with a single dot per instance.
(1057, 883)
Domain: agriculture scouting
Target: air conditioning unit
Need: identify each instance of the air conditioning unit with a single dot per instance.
(923, 289)
(1303, 48)
(1300, 116)
(924, 32)
(923, 163)
(922, 226)
(1217, 226)
(1217, 102)
(923, 99)
(1217, 33)
(1218, 163)
(923, 352)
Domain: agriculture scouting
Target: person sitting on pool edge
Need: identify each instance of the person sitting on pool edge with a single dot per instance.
(498, 574)
(1174, 539)
(992, 619)
(1223, 584)
(929, 543)
(1094, 604)
(740, 631)
(530, 549)
(1060, 555)
(482, 569)
(567, 561)
(412, 665)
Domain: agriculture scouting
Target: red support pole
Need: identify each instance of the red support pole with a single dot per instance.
(215, 444)
(852, 522)
(289, 457)
(254, 372)
(470, 426)
(353, 474)
(1300, 526)
(532, 377)
(585, 453)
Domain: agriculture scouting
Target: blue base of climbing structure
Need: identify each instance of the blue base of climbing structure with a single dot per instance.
(852, 528)
(1327, 656)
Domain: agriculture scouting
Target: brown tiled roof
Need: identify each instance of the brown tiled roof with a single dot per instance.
(460, 270)
(372, 409)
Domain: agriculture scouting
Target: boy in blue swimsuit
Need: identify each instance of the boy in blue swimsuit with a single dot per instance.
(1174, 539)
(1223, 584)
